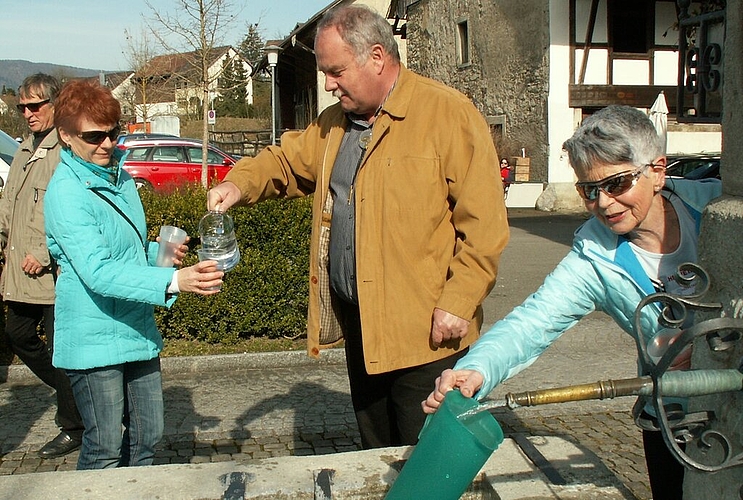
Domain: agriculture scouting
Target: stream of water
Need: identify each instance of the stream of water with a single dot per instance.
(484, 406)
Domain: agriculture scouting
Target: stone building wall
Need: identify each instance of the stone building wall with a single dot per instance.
(719, 252)
(509, 70)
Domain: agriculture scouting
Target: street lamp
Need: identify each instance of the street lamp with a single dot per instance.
(272, 54)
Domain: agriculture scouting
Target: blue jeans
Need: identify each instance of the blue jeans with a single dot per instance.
(122, 409)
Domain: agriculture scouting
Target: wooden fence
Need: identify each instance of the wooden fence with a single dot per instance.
(243, 143)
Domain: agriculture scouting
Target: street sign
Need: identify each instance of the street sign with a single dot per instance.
(211, 117)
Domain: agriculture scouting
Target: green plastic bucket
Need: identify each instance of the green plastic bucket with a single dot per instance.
(450, 452)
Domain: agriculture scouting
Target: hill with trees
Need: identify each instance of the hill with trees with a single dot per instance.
(12, 72)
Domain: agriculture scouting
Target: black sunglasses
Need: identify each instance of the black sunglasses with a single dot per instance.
(33, 107)
(98, 136)
(613, 185)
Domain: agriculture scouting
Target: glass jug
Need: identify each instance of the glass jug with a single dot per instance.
(218, 242)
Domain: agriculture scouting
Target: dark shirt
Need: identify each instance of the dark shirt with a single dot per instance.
(39, 136)
(342, 252)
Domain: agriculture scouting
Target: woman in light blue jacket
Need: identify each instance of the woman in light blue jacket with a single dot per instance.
(644, 227)
(108, 285)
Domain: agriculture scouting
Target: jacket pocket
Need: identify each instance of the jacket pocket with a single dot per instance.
(36, 213)
(410, 184)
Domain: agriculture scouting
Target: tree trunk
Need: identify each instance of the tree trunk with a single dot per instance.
(205, 139)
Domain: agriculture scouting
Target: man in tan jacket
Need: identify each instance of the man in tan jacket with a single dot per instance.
(408, 220)
(27, 281)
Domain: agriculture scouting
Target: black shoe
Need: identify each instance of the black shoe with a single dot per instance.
(60, 446)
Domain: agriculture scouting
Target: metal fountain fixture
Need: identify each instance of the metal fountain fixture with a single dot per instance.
(721, 334)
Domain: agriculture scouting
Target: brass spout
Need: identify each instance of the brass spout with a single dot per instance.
(674, 383)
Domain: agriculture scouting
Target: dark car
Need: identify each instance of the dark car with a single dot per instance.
(124, 139)
(165, 164)
(694, 166)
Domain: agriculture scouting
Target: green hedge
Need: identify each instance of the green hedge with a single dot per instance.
(266, 294)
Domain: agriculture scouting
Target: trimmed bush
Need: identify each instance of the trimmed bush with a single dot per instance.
(266, 294)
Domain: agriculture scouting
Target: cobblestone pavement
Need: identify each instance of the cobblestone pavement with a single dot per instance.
(275, 410)
(262, 413)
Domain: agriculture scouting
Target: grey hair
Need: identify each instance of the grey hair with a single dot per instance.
(42, 85)
(361, 28)
(612, 136)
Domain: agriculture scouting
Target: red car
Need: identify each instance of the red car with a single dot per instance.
(165, 164)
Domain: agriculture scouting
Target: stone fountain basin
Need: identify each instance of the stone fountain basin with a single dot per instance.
(508, 474)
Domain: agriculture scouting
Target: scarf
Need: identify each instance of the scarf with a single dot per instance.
(109, 172)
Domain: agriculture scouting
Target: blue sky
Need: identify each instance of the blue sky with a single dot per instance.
(90, 33)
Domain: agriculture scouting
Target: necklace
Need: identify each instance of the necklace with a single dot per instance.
(366, 137)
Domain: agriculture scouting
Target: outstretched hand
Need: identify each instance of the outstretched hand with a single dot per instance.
(222, 196)
(203, 278)
(468, 382)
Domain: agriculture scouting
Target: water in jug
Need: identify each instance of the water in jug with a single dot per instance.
(218, 242)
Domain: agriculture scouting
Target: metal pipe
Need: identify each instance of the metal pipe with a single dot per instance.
(603, 389)
(273, 104)
(674, 383)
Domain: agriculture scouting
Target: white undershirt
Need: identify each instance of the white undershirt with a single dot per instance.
(173, 286)
(662, 268)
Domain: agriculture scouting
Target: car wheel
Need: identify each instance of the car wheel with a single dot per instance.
(142, 184)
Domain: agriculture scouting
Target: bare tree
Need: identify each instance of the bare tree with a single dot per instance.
(196, 25)
(139, 54)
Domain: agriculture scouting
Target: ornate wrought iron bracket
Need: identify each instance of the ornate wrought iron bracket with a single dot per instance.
(721, 334)
(701, 48)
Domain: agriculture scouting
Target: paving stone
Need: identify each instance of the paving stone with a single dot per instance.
(274, 446)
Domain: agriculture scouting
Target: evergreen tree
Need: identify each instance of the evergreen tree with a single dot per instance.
(251, 48)
(232, 101)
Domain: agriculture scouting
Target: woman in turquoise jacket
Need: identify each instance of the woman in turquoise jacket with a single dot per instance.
(644, 227)
(108, 285)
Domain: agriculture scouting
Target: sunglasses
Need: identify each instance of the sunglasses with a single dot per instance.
(613, 185)
(33, 107)
(96, 137)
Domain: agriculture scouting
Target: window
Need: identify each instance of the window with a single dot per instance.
(195, 155)
(138, 154)
(631, 24)
(168, 153)
(212, 157)
(463, 43)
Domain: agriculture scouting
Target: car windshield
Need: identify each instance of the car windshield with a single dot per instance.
(8, 147)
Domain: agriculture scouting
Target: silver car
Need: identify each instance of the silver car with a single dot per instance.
(8, 148)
